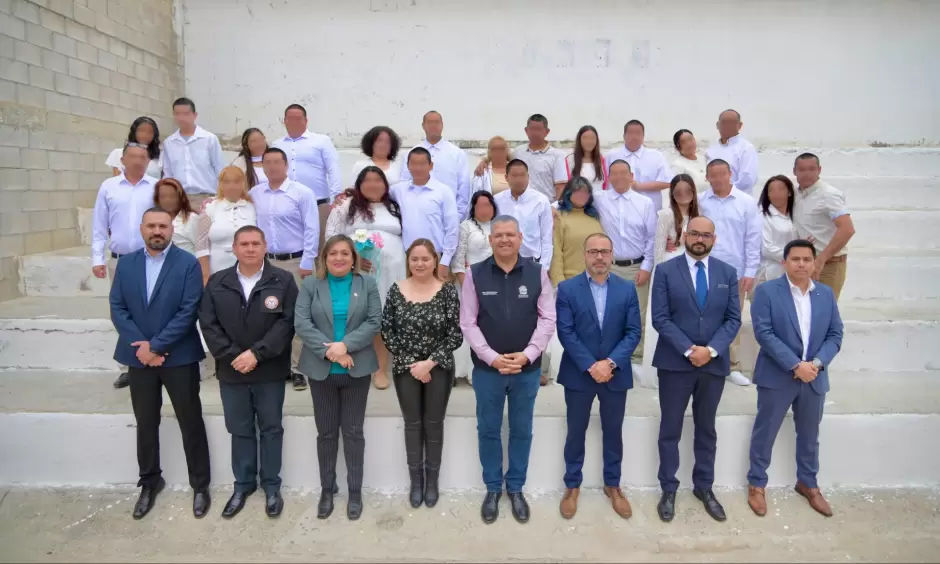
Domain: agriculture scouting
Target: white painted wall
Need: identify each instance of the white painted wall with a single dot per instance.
(807, 72)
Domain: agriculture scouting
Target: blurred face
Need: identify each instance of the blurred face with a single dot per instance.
(420, 168)
(483, 210)
(135, 161)
(700, 237)
(621, 178)
(382, 146)
(729, 124)
(687, 145)
(518, 178)
(156, 228)
(505, 239)
(144, 134)
(683, 193)
(184, 117)
(339, 259)
(536, 132)
(275, 167)
(778, 194)
(295, 122)
(433, 125)
(719, 176)
(372, 188)
(257, 144)
(598, 256)
(168, 198)
(799, 264)
(421, 263)
(249, 249)
(633, 137)
(499, 153)
(233, 188)
(807, 172)
(579, 198)
(588, 141)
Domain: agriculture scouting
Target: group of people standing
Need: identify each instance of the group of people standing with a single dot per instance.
(432, 269)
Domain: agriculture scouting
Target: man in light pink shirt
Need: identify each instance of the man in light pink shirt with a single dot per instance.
(507, 315)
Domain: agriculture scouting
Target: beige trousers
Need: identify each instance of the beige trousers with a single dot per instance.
(112, 265)
(643, 294)
(833, 275)
(736, 343)
(324, 211)
(292, 266)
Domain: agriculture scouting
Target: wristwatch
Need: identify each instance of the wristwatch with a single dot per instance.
(817, 364)
(613, 365)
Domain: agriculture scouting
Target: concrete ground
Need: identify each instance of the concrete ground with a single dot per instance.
(95, 525)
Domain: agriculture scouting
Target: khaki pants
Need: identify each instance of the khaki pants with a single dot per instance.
(112, 265)
(833, 275)
(292, 266)
(324, 210)
(643, 294)
(736, 343)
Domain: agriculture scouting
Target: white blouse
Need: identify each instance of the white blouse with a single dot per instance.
(185, 234)
(777, 231)
(695, 169)
(587, 172)
(473, 245)
(154, 169)
(239, 162)
(665, 232)
(217, 226)
(393, 174)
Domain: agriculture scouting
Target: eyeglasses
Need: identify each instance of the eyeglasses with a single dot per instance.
(697, 235)
(135, 144)
(602, 252)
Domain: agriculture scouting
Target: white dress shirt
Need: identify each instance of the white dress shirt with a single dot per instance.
(195, 161)
(742, 156)
(630, 221)
(648, 165)
(737, 228)
(776, 232)
(804, 312)
(546, 168)
(693, 270)
(450, 169)
(533, 211)
(428, 212)
(249, 282)
(312, 160)
(119, 208)
(289, 218)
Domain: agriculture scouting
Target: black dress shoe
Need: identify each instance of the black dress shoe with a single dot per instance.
(235, 504)
(201, 503)
(416, 495)
(712, 507)
(273, 505)
(148, 495)
(490, 509)
(354, 506)
(325, 507)
(431, 492)
(520, 507)
(299, 381)
(667, 506)
(123, 381)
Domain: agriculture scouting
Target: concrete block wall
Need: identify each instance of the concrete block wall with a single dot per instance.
(73, 75)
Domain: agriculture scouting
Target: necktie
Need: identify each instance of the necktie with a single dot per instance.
(701, 285)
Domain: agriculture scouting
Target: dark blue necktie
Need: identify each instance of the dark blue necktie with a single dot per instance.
(701, 285)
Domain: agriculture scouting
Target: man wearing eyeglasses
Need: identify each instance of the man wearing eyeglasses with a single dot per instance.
(695, 308)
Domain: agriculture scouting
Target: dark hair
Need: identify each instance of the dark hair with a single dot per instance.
(246, 154)
(185, 102)
(627, 125)
(185, 207)
(764, 201)
(153, 148)
(798, 243)
(270, 150)
(155, 209)
(678, 135)
(295, 107)
(132, 145)
(371, 136)
(577, 183)
(599, 171)
(359, 204)
(806, 157)
(516, 162)
(674, 205)
(473, 206)
(539, 118)
(247, 229)
(429, 246)
(419, 151)
(620, 161)
(598, 235)
(717, 162)
(322, 269)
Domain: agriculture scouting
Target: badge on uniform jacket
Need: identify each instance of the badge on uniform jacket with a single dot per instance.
(523, 292)
(272, 304)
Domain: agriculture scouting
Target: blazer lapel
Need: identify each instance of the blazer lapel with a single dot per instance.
(354, 299)
(816, 320)
(784, 288)
(141, 268)
(587, 299)
(326, 300)
(168, 261)
(683, 267)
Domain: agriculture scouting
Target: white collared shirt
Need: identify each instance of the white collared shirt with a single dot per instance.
(312, 160)
(630, 221)
(693, 270)
(289, 218)
(248, 282)
(533, 211)
(546, 168)
(738, 229)
(195, 161)
(450, 169)
(804, 311)
(776, 231)
(647, 165)
(428, 212)
(119, 208)
(815, 210)
(742, 156)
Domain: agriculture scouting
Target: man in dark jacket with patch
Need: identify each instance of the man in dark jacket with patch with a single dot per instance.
(247, 320)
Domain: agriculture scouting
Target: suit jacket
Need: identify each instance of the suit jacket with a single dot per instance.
(585, 341)
(681, 323)
(168, 321)
(777, 329)
(313, 321)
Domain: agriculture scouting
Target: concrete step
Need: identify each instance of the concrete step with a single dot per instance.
(86, 429)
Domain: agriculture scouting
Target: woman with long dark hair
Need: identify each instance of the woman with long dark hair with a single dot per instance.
(577, 218)
(249, 156)
(169, 195)
(586, 160)
(144, 131)
(776, 206)
(373, 220)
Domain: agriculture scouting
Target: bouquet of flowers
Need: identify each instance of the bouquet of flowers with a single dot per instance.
(369, 248)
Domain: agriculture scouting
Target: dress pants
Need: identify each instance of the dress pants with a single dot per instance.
(339, 403)
(491, 389)
(242, 404)
(772, 407)
(736, 343)
(613, 407)
(675, 390)
(833, 275)
(293, 266)
(182, 385)
(423, 407)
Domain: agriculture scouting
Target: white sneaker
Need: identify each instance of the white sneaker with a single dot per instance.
(738, 379)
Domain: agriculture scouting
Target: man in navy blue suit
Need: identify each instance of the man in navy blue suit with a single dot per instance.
(696, 312)
(797, 325)
(154, 304)
(598, 321)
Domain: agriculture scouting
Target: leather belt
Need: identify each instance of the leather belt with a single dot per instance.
(322, 201)
(628, 262)
(115, 255)
(840, 258)
(285, 256)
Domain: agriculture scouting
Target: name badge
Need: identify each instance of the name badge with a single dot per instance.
(271, 304)
(722, 285)
(490, 293)
(523, 292)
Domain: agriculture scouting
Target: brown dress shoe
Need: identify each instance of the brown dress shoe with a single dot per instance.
(380, 380)
(619, 502)
(815, 499)
(543, 381)
(569, 503)
(757, 500)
